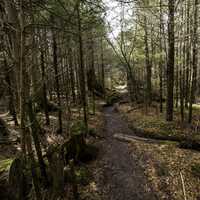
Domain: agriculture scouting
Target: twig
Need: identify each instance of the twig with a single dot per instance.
(183, 187)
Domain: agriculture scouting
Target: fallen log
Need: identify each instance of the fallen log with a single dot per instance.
(190, 144)
(155, 136)
(131, 138)
(8, 141)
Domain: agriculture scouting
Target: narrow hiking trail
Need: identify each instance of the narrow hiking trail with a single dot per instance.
(122, 176)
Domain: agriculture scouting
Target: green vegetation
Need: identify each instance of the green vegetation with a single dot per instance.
(195, 168)
(5, 164)
(112, 98)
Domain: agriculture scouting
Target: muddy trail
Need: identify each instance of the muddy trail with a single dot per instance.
(122, 176)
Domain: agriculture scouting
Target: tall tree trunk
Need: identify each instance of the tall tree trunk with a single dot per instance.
(11, 104)
(55, 63)
(181, 95)
(82, 72)
(161, 60)
(44, 88)
(24, 95)
(102, 67)
(148, 65)
(91, 78)
(187, 84)
(33, 166)
(170, 62)
(36, 130)
(23, 82)
(194, 60)
(71, 71)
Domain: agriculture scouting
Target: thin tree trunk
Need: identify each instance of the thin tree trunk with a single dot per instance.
(24, 94)
(23, 82)
(161, 61)
(45, 100)
(102, 66)
(33, 166)
(181, 95)
(148, 65)
(82, 72)
(187, 56)
(194, 61)
(71, 71)
(11, 104)
(170, 63)
(55, 63)
(36, 130)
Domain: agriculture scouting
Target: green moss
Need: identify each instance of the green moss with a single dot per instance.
(92, 132)
(5, 164)
(82, 175)
(112, 98)
(78, 128)
(195, 169)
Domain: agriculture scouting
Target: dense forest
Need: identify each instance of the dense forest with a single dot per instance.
(99, 99)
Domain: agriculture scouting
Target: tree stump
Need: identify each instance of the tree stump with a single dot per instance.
(74, 147)
(56, 166)
(3, 129)
(17, 180)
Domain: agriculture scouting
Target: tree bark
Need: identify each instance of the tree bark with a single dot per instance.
(170, 62)
(82, 72)
(161, 61)
(57, 85)
(148, 65)
(194, 61)
(44, 88)
(11, 105)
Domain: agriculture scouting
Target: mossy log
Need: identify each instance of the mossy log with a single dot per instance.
(190, 144)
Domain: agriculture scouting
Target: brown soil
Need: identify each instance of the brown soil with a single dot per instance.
(121, 177)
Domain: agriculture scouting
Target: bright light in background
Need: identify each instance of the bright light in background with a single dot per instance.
(113, 16)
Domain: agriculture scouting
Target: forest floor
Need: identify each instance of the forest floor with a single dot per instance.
(171, 170)
(143, 168)
(120, 175)
(140, 169)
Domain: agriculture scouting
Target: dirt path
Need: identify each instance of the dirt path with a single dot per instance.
(122, 177)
